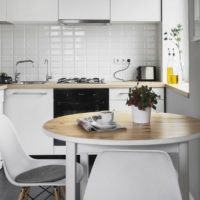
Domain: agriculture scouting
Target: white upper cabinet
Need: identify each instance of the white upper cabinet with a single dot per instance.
(135, 10)
(84, 9)
(2, 10)
(32, 10)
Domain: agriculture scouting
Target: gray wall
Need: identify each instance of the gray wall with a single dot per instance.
(190, 106)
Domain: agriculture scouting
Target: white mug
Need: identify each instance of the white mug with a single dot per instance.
(107, 117)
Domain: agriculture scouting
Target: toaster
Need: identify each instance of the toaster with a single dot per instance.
(146, 73)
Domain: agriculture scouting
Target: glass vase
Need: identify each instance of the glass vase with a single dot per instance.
(180, 69)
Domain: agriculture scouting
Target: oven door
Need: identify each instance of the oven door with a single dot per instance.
(71, 101)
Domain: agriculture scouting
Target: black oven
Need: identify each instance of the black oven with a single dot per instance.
(70, 101)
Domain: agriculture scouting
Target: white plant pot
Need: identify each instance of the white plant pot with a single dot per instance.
(141, 116)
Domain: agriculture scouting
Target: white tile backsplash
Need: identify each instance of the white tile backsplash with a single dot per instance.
(81, 51)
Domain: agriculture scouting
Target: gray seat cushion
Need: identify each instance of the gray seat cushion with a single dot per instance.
(49, 173)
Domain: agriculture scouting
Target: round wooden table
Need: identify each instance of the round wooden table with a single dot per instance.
(168, 132)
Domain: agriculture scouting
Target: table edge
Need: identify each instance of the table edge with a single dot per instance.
(122, 142)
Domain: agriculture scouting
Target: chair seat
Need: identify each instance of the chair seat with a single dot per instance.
(44, 174)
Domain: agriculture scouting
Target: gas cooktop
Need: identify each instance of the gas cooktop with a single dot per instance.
(80, 80)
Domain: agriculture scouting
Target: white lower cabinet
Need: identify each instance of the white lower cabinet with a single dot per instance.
(1, 100)
(119, 96)
(1, 112)
(59, 150)
(29, 109)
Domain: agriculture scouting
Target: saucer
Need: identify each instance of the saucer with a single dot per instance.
(100, 125)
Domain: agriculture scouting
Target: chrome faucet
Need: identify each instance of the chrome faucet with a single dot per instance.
(48, 76)
(16, 71)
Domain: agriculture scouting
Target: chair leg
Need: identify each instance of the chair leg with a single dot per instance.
(21, 194)
(59, 191)
(56, 193)
(27, 192)
(63, 191)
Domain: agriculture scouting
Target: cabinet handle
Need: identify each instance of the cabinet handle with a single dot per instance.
(123, 93)
(33, 93)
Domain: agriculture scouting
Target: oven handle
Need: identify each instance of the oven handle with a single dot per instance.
(81, 94)
(31, 93)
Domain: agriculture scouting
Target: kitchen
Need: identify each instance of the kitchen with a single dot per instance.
(90, 51)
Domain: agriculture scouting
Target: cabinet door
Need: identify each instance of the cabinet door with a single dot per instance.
(2, 10)
(84, 9)
(134, 10)
(117, 99)
(196, 21)
(32, 10)
(1, 101)
(29, 109)
(1, 112)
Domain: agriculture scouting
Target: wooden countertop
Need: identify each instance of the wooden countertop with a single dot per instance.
(164, 128)
(3, 87)
(182, 89)
(116, 84)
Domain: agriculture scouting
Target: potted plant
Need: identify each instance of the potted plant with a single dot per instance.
(142, 99)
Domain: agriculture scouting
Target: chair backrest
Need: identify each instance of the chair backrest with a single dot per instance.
(14, 158)
(128, 175)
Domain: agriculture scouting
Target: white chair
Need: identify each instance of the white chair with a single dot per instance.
(24, 171)
(133, 175)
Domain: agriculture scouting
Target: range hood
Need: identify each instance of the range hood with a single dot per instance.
(87, 11)
(83, 21)
(5, 23)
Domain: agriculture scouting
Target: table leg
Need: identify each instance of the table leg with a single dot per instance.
(184, 170)
(84, 161)
(70, 171)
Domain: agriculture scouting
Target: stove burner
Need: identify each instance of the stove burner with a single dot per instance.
(83, 80)
(80, 80)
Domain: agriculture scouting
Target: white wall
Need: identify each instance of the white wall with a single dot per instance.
(190, 106)
(79, 51)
